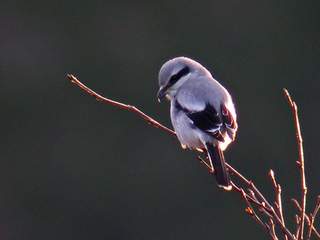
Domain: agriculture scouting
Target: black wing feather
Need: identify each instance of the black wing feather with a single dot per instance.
(207, 120)
(212, 122)
(228, 121)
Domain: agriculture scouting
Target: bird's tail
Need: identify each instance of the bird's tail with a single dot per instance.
(218, 163)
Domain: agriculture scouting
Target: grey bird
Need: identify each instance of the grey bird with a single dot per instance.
(202, 112)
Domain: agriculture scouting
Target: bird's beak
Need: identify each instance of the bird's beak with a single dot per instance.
(162, 92)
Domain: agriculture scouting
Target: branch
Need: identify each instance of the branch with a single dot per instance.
(253, 196)
(301, 163)
(118, 104)
(265, 205)
(279, 199)
(252, 213)
(247, 198)
(312, 217)
(306, 216)
(261, 202)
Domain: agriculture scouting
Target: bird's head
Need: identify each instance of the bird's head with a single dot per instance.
(174, 73)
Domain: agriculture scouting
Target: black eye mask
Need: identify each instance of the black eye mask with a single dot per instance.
(175, 78)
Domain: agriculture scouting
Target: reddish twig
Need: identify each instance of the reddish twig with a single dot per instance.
(247, 198)
(273, 230)
(301, 163)
(261, 202)
(312, 217)
(251, 211)
(306, 217)
(265, 205)
(118, 104)
(279, 200)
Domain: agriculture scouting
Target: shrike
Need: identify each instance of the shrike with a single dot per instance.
(202, 112)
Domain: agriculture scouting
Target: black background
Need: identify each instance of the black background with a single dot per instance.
(74, 168)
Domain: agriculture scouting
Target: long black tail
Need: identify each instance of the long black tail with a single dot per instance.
(220, 169)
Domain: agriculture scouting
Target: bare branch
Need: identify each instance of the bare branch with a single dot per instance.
(273, 230)
(264, 204)
(279, 200)
(312, 217)
(301, 163)
(118, 104)
(252, 213)
(247, 198)
(205, 163)
(306, 216)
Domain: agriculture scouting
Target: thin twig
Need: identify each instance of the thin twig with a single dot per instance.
(252, 213)
(298, 226)
(98, 97)
(301, 163)
(246, 198)
(306, 217)
(249, 198)
(279, 200)
(204, 163)
(312, 217)
(265, 204)
(265, 207)
(273, 231)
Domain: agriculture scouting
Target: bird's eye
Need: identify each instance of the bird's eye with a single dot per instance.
(174, 78)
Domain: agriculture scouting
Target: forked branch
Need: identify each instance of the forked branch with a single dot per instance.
(301, 164)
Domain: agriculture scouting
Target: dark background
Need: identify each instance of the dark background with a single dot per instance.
(75, 168)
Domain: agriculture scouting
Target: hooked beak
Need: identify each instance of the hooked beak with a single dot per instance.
(162, 92)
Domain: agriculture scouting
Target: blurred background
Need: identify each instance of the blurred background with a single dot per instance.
(75, 168)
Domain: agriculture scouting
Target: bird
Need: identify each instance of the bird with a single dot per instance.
(202, 112)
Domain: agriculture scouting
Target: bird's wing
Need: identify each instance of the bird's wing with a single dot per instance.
(207, 120)
(229, 122)
(211, 121)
